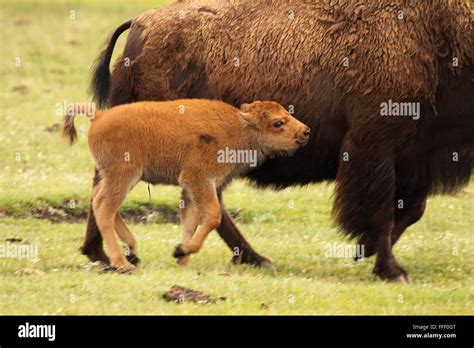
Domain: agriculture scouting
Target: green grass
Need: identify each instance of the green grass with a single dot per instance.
(39, 172)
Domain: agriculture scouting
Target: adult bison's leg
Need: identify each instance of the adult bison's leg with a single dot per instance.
(92, 246)
(243, 251)
(408, 210)
(386, 266)
(365, 190)
(411, 212)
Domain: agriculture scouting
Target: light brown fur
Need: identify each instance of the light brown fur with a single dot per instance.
(178, 143)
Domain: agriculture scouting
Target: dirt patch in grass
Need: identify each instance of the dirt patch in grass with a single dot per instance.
(72, 211)
(179, 294)
(66, 212)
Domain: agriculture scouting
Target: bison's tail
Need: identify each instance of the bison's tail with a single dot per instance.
(69, 130)
(100, 83)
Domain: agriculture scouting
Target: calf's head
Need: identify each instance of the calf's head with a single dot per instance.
(279, 133)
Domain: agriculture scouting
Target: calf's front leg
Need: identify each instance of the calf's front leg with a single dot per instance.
(189, 220)
(205, 197)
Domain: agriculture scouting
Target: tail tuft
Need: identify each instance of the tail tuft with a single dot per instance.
(69, 130)
(100, 84)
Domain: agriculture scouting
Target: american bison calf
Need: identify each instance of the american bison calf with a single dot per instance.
(197, 144)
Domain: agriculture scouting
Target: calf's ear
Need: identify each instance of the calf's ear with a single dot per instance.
(247, 119)
(245, 107)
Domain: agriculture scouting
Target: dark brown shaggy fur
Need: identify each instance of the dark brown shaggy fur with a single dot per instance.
(294, 52)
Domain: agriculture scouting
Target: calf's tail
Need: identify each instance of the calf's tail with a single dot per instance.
(69, 130)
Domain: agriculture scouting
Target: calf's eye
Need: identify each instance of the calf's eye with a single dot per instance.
(278, 124)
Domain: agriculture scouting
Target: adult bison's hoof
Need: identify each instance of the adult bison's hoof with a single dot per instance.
(401, 279)
(96, 255)
(133, 259)
(391, 273)
(250, 257)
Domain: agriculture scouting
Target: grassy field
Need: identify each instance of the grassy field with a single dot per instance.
(45, 61)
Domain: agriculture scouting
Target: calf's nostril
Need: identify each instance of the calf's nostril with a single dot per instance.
(307, 132)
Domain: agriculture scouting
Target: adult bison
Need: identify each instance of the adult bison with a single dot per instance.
(336, 63)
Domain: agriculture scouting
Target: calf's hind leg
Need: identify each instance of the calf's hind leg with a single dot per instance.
(205, 197)
(127, 237)
(105, 204)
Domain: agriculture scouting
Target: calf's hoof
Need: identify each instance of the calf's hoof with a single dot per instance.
(127, 269)
(179, 252)
(250, 257)
(133, 259)
(182, 261)
(391, 273)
